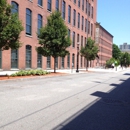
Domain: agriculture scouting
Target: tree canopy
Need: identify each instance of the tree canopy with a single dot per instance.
(53, 37)
(125, 59)
(116, 53)
(90, 51)
(10, 27)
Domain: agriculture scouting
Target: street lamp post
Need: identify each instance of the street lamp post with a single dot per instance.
(77, 69)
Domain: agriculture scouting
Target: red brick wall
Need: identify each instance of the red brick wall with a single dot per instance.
(33, 41)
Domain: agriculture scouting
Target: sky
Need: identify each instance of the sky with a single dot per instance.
(114, 16)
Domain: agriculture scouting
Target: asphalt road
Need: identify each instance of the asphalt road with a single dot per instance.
(90, 101)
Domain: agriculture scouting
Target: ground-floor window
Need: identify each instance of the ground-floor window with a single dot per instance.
(0, 58)
(48, 62)
(14, 58)
(28, 56)
(68, 60)
(81, 62)
(62, 62)
(73, 60)
(84, 62)
(39, 60)
(56, 64)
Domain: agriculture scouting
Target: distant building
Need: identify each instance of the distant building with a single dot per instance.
(104, 40)
(125, 47)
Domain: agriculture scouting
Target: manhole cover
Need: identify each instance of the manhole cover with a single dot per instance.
(113, 101)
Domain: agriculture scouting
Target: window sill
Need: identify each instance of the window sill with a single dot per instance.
(30, 1)
(40, 6)
(14, 69)
(29, 36)
(48, 68)
(49, 11)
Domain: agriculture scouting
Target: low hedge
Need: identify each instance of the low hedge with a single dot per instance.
(30, 72)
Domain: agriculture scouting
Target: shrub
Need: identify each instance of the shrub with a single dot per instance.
(30, 72)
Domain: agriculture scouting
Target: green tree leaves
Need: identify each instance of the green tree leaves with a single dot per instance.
(10, 27)
(90, 50)
(53, 38)
(115, 51)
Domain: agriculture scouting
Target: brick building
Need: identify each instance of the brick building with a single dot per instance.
(104, 40)
(79, 16)
(125, 47)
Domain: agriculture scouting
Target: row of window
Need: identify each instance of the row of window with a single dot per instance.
(85, 6)
(28, 59)
(49, 4)
(80, 39)
(15, 9)
(86, 28)
(83, 27)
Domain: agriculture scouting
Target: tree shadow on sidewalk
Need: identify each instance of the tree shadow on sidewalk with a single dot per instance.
(110, 112)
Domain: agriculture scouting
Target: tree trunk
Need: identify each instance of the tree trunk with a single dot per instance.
(54, 64)
(90, 64)
(86, 64)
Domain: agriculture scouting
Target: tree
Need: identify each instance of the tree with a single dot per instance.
(90, 50)
(125, 59)
(10, 27)
(53, 38)
(116, 53)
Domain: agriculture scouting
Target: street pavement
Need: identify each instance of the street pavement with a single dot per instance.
(83, 101)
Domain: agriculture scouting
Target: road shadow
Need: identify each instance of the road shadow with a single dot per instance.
(127, 74)
(110, 112)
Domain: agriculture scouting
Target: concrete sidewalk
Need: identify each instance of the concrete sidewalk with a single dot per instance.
(73, 71)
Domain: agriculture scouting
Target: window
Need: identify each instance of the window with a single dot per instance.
(39, 23)
(40, 2)
(28, 22)
(73, 60)
(82, 23)
(85, 25)
(81, 41)
(63, 9)
(69, 33)
(39, 60)
(85, 41)
(91, 29)
(84, 62)
(0, 58)
(62, 62)
(56, 64)
(77, 37)
(14, 7)
(57, 5)
(28, 56)
(68, 60)
(14, 58)
(74, 17)
(86, 7)
(78, 3)
(78, 20)
(89, 9)
(49, 5)
(48, 62)
(73, 45)
(83, 5)
(92, 13)
(75, 1)
(69, 14)
(88, 27)
(81, 62)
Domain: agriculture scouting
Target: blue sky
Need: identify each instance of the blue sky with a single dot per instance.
(114, 16)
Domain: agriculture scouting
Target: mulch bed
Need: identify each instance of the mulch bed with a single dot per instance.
(2, 77)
